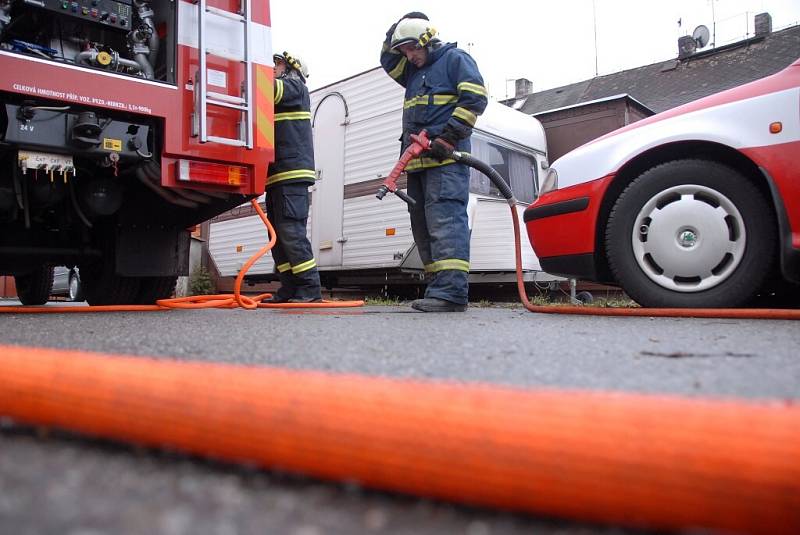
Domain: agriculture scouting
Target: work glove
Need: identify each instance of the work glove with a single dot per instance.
(442, 148)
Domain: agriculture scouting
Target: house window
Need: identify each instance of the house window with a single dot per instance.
(517, 168)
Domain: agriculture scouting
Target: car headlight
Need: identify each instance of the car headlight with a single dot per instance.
(550, 181)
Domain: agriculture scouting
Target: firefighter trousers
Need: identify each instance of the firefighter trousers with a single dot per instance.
(287, 209)
(440, 227)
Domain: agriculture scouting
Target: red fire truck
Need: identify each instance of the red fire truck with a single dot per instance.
(122, 124)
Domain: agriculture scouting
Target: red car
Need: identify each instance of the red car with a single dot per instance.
(698, 206)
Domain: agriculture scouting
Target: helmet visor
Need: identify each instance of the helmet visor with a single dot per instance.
(404, 41)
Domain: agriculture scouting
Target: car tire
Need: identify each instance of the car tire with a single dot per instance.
(75, 288)
(151, 289)
(691, 233)
(34, 287)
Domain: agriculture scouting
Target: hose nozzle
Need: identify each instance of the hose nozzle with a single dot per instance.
(382, 191)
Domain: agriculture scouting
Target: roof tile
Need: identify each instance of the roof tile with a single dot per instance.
(664, 85)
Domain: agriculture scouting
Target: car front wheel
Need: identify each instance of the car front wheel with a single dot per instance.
(75, 289)
(691, 233)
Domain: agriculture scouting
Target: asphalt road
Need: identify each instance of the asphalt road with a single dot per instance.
(58, 483)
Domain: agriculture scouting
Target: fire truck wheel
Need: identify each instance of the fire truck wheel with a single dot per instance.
(34, 287)
(102, 286)
(151, 289)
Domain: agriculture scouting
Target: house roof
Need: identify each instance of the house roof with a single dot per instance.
(622, 96)
(664, 85)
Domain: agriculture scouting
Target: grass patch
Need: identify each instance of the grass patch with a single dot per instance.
(598, 302)
(383, 301)
(200, 282)
(614, 302)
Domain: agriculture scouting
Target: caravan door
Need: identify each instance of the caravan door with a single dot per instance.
(327, 201)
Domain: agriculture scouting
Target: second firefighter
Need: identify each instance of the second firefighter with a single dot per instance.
(288, 179)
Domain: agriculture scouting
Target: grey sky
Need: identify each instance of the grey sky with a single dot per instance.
(548, 42)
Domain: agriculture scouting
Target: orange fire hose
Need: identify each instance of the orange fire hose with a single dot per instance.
(735, 313)
(234, 300)
(660, 462)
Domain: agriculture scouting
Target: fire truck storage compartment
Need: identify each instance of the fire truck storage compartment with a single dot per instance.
(129, 37)
(81, 133)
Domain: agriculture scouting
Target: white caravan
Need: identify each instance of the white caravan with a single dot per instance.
(359, 240)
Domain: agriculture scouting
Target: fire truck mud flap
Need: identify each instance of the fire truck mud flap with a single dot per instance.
(152, 251)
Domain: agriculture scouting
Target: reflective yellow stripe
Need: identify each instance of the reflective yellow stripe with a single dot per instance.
(293, 116)
(450, 263)
(287, 175)
(427, 163)
(421, 100)
(440, 100)
(472, 88)
(305, 266)
(284, 267)
(464, 114)
(278, 91)
(265, 98)
(398, 69)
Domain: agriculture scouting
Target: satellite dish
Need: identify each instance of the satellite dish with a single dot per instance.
(701, 35)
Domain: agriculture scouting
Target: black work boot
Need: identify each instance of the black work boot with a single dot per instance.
(305, 300)
(307, 287)
(434, 304)
(276, 298)
(286, 290)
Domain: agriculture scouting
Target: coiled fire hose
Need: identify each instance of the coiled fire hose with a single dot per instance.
(234, 300)
(420, 143)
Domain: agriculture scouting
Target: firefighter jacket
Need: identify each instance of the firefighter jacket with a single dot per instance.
(446, 96)
(294, 145)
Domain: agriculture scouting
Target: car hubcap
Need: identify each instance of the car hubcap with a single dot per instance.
(688, 238)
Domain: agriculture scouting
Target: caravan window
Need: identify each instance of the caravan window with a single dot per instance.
(520, 167)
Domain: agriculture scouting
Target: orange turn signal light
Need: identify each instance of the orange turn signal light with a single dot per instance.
(390, 231)
(212, 173)
(776, 127)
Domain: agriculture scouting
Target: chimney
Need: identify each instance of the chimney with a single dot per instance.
(522, 87)
(686, 46)
(763, 24)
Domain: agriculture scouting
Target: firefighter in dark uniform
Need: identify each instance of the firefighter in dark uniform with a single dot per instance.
(444, 95)
(288, 179)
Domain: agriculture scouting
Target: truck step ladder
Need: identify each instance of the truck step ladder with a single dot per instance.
(205, 98)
